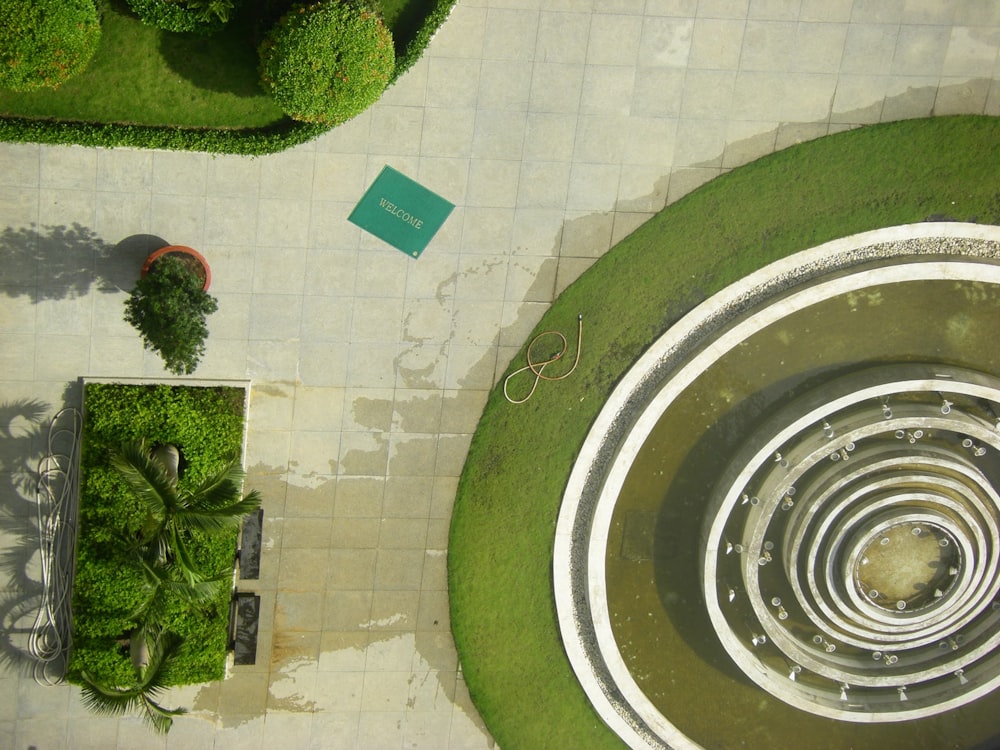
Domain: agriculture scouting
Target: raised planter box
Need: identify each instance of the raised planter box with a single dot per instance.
(206, 420)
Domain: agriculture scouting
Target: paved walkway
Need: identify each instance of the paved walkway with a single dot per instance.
(556, 128)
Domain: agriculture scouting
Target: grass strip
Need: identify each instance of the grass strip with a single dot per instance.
(500, 548)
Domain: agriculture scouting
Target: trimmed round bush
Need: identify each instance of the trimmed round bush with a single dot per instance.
(326, 62)
(45, 42)
(185, 16)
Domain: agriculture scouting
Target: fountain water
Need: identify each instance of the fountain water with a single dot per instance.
(788, 506)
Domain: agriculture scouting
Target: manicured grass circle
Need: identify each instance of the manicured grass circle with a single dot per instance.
(500, 550)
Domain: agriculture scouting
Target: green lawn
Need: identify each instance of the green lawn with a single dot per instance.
(500, 550)
(147, 76)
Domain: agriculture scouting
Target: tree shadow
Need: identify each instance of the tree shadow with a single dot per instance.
(35, 586)
(225, 61)
(20, 439)
(58, 262)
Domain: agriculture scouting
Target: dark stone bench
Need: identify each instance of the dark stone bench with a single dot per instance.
(243, 615)
(250, 540)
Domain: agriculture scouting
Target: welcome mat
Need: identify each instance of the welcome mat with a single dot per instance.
(401, 212)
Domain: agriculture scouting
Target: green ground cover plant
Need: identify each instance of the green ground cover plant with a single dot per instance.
(500, 548)
(188, 91)
(121, 595)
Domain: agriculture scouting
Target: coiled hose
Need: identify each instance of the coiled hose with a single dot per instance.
(537, 367)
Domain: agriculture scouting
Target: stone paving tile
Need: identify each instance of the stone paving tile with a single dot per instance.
(413, 92)
(593, 187)
(542, 185)
(858, 99)
(819, 47)
(993, 100)
(562, 37)
(869, 49)
(707, 93)
(557, 127)
(601, 139)
(556, 87)
(920, 50)
(962, 96)
(665, 42)
(180, 172)
(908, 97)
(768, 46)
(607, 90)
(549, 137)
(395, 130)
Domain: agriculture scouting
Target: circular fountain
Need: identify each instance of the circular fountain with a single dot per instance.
(789, 507)
(850, 560)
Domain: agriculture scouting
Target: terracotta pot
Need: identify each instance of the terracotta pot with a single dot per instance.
(192, 256)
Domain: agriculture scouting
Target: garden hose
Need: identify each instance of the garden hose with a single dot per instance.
(537, 367)
(57, 501)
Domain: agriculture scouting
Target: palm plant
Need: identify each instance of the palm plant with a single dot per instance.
(175, 511)
(165, 581)
(152, 654)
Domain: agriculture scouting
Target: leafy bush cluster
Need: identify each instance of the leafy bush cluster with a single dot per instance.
(168, 306)
(327, 62)
(133, 582)
(194, 16)
(208, 422)
(45, 42)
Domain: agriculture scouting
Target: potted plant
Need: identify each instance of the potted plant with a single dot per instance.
(169, 304)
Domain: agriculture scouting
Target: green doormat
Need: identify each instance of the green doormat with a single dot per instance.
(400, 211)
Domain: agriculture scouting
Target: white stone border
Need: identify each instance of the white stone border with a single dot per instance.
(615, 438)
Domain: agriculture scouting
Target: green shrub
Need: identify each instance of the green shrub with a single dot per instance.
(414, 49)
(109, 588)
(195, 16)
(45, 42)
(327, 62)
(168, 306)
(208, 422)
